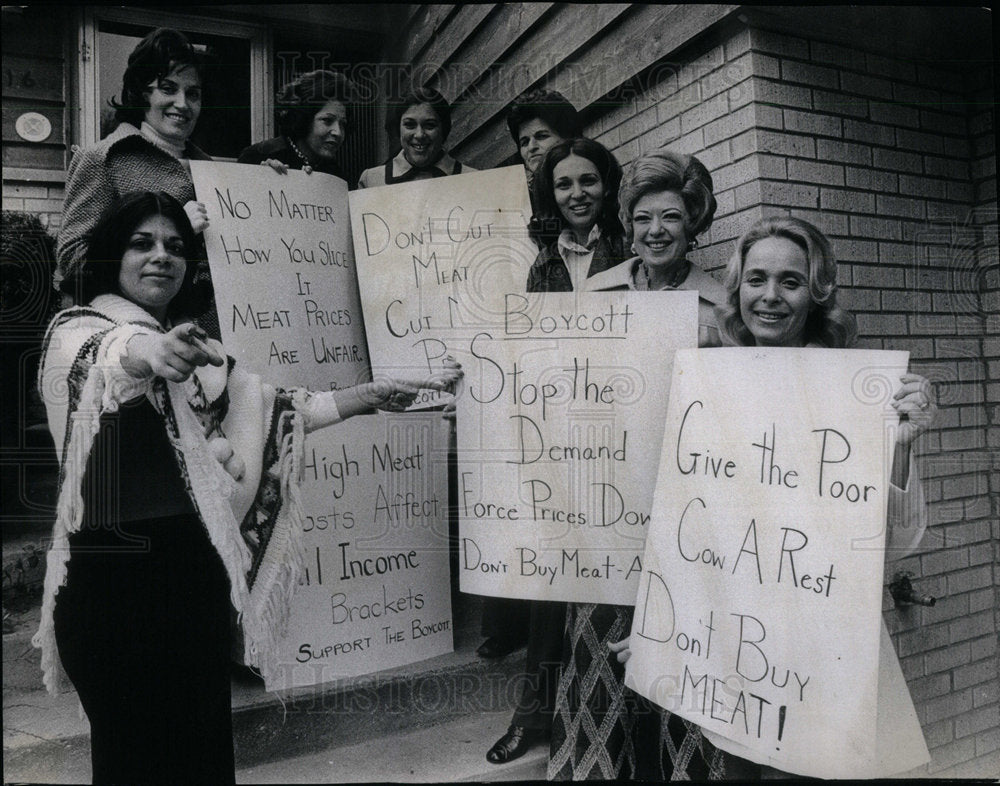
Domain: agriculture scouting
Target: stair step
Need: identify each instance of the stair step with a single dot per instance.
(453, 751)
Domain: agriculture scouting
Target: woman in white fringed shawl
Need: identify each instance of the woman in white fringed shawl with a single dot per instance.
(178, 501)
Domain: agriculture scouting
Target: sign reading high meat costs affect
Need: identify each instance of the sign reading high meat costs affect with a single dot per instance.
(374, 593)
(431, 255)
(559, 429)
(758, 613)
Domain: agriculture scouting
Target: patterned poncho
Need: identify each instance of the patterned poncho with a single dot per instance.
(254, 523)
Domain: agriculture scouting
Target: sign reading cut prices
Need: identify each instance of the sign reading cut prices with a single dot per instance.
(759, 608)
(375, 590)
(431, 255)
(559, 429)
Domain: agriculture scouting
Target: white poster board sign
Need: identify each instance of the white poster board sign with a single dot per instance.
(431, 255)
(283, 271)
(559, 429)
(375, 592)
(759, 608)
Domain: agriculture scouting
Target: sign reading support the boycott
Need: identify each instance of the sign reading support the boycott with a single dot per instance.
(375, 591)
(759, 608)
(559, 430)
(431, 255)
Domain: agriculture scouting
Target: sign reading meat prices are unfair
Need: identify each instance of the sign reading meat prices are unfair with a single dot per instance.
(374, 593)
(758, 614)
(431, 255)
(559, 428)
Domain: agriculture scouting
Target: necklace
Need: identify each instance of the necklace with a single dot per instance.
(675, 280)
(298, 152)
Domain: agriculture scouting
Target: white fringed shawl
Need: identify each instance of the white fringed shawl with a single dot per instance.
(81, 378)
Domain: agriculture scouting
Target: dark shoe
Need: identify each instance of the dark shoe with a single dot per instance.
(495, 647)
(513, 745)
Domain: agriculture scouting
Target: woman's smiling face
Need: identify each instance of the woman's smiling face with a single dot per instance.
(579, 192)
(774, 292)
(174, 104)
(659, 221)
(421, 135)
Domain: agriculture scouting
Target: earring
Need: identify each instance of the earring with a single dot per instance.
(693, 243)
(632, 247)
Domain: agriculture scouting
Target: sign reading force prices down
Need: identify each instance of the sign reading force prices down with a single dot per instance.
(559, 430)
(759, 606)
(374, 592)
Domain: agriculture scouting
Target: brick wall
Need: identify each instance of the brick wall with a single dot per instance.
(894, 160)
(45, 200)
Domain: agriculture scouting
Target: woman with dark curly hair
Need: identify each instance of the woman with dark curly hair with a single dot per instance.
(578, 230)
(422, 119)
(178, 502)
(313, 118)
(161, 100)
(576, 224)
(538, 121)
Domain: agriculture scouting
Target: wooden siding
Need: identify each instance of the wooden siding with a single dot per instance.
(34, 80)
(481, 57)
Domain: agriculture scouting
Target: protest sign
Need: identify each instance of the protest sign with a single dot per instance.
(431, 254)
(283, 272)
(375, 592)
(759, 606)
(559, 428)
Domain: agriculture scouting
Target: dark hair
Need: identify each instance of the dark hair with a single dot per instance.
(97, 273)
(664, 170)
(548, 220)
(827, 323)
(300, 100)
(549, 106)
(153, 58)
(422, 95)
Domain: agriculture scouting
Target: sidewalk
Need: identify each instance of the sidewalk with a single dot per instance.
(426, 722)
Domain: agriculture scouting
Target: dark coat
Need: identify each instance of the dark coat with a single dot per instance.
(549, 273)
(279, 149)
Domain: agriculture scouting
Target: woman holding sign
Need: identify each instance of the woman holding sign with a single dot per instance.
(601, 730)
(313, 120)
(782, 285)
(423, 121)
(178, 501)
(161, 100)
(578, 230)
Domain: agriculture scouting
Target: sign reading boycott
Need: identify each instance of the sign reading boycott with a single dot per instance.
(374, 593)
(431, 254)
(759, 605)
(559, 432)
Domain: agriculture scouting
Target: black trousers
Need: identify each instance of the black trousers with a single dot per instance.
(542, 664)
(143, 630)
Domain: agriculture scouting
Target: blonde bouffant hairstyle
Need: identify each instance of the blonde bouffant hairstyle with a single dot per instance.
(664, 170)
(827, 323)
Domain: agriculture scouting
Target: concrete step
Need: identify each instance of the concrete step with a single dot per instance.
(470, 701)
(449, 752)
